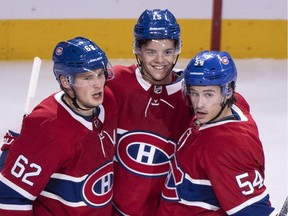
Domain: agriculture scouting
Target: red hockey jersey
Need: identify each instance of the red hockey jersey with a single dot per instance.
(61, 164)
(151, 120)
(218, 170)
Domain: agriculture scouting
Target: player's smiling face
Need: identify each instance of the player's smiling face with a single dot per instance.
(158, 57)
(206, 102)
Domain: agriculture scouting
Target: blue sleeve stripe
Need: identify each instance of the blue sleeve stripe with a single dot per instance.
(64, 189)
(253, 205)
(8, 184)
(198, 193)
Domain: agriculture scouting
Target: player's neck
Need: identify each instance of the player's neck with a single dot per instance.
(68, 101)
(224, 116)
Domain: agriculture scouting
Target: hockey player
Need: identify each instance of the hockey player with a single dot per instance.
(62, 162)
(218, 168)
(152, 115)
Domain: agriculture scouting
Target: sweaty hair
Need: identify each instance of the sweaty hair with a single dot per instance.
(232, 99)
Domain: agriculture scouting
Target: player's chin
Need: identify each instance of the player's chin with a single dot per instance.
(201, 118)
(160, 76)
(98, 100)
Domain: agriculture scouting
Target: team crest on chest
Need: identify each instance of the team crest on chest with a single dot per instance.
(97, 188)
(136, 153)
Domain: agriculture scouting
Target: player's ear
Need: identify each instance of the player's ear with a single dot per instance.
(64, 82)
(138, 57)
(229, 93)
(230, 90)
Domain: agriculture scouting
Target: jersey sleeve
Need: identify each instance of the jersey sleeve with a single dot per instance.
(30, 162)
(237, 178)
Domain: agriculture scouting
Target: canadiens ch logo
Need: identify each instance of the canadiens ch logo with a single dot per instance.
(97, 188)
(136, 153)
(174, 177)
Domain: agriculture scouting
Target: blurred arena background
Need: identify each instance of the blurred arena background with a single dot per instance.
(249, 28)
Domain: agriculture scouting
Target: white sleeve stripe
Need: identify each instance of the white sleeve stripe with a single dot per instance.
(67, 177)
(247, 203)
(200, 204)
(16, 207)
(198, 181)
(65, 202)
(17, 188)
